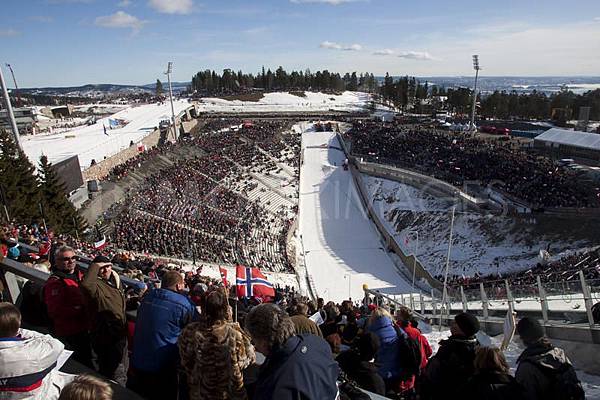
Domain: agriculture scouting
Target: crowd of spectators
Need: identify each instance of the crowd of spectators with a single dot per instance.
(560, 276)
(191, 210)
(459, 157)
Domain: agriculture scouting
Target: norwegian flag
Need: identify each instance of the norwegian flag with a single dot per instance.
(250, 282)
(223, 272)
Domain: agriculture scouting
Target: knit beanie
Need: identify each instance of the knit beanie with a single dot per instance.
(468, 323)
(530, 330)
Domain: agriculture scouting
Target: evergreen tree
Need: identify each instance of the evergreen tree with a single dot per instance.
(59, 212)
(20, 186)
(159, 88)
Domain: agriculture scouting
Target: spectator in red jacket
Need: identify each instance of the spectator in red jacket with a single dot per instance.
(66, 306)
(410, 326)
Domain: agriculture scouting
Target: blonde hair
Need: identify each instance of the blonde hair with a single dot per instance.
(378, 313)
(87, 387)
(490, 359)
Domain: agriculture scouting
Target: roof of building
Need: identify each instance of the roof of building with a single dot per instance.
(571, 138)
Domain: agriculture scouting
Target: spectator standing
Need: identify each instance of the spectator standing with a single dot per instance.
(451, 367)
(215, 351)
(102, 286)
(380, 323)
(492, 379)
(302, 323)
(66, 306)
(543, 369)
(27, 360)
(161, 317)
(296, 366)
(359, 365)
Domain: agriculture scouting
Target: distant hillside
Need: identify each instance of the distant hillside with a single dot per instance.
(100, 90)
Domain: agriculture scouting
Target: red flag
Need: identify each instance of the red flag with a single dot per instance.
(100, 244)
(250, 282)
(223, 272)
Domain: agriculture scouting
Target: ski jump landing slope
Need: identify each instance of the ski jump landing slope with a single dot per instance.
(342, 250)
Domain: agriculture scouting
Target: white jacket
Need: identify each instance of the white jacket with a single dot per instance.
(27, 367)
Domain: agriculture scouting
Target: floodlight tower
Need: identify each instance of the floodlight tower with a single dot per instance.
(168, 73)
(476, 68)
(15, 81)
(11, 115)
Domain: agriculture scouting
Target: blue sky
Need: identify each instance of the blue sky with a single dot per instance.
(72, 42)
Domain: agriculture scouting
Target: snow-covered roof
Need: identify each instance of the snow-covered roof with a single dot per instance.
(571, 138)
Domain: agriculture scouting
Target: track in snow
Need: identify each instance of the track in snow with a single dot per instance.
(341, 247)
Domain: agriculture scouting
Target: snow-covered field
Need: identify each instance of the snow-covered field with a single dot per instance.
(342, 250)
(90, 142)
(591, 383)
(283, 101)
(482, 243)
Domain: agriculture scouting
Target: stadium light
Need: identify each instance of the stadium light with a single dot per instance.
(168, 73)
(11, 114)
(476, 67)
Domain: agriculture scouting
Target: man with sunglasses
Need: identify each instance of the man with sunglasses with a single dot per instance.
(66, 306)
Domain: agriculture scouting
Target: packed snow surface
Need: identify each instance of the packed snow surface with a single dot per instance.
(482, 243)
(90, 142)
(341, 247)
(283, 101)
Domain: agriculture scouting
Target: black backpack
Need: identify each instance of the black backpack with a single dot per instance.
(410, 355)
(596, 312)
(564, 384)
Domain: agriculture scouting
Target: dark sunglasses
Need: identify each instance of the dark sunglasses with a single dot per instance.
(74, 258)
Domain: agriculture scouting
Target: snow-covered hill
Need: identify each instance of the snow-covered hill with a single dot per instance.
(486, 244)
(284, 101)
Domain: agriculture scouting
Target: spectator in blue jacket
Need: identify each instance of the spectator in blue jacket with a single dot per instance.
(161, 317)
(380, 323)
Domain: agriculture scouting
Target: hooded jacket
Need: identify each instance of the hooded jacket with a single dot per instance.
(387, 356)
(448, 371)
(302, 369)
(27, 365)
(531, 377)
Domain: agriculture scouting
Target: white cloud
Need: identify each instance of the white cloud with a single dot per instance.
(172, 6)
(415, 55)
(124, 3)
(41, 18)
(256, 31)
(597, 19)
(332, 2)
(384, 52)
(8, 32)
(336, 46)
(120, 19)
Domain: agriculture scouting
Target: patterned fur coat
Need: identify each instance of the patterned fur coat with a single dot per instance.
(214, 358)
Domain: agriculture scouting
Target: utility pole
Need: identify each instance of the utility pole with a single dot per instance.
(11, 115)
(476, 68)
(168, 73)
